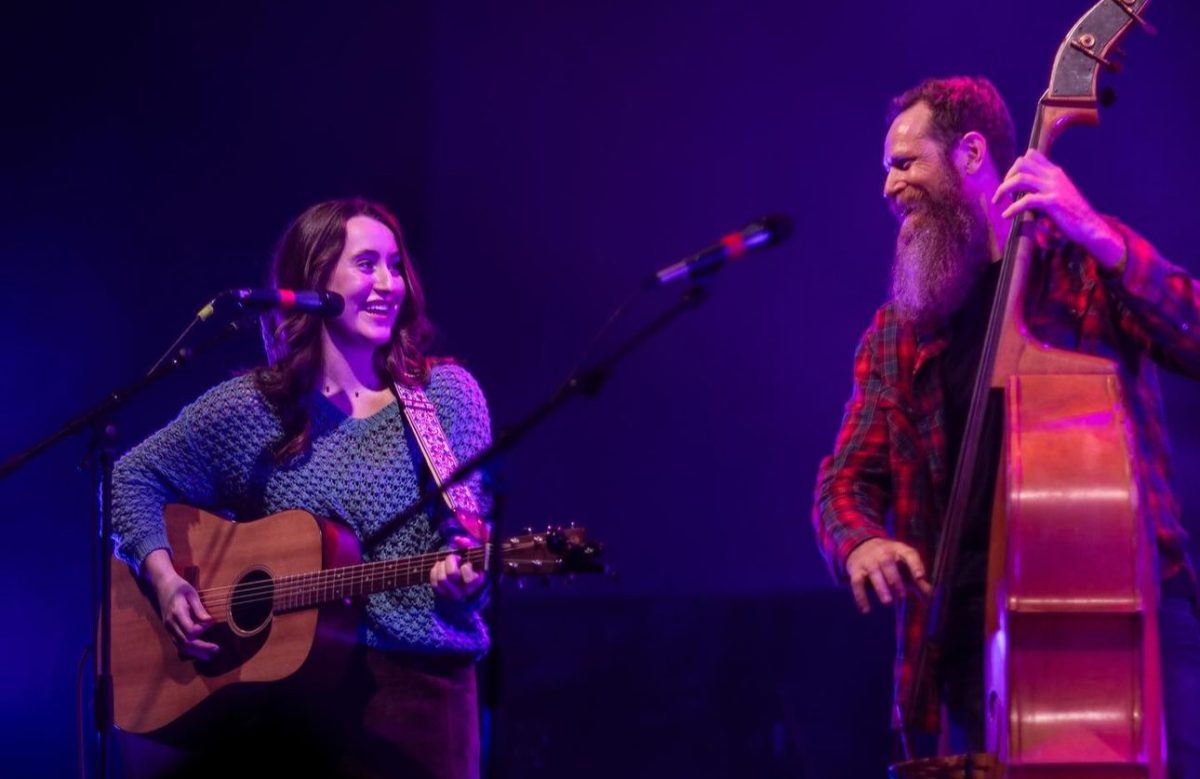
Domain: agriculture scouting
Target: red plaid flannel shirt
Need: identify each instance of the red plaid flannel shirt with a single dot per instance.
(888, 473)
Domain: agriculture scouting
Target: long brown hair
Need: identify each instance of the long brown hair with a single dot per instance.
(305, 258)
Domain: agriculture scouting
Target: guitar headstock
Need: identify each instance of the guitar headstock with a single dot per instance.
(553, 551)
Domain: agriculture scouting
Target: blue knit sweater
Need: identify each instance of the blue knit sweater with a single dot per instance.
(216, 456)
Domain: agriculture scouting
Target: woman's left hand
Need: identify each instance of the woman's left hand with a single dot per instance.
(453, 581)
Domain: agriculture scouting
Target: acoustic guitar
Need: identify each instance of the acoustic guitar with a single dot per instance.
(285, 594)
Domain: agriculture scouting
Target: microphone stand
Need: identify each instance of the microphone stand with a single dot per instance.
(583, 381)
(586, 381)
(100, 459)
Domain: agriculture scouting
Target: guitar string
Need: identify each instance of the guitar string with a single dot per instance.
(343, 578)
(316, 580)
(295, 593)
(415, 562)
(308, 584)
(295, 587)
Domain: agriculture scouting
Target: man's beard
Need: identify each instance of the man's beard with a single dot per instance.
(941, 251)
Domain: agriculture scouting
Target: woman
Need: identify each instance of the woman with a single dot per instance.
(320, 429)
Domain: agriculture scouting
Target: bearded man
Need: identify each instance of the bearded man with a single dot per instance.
(1100, 289)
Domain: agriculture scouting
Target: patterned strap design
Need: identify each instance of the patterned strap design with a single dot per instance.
(421, 416)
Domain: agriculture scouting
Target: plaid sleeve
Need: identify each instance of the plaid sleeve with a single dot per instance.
(854, 483)
(1159, 305)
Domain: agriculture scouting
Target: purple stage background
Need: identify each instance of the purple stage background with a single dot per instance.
(544, 158)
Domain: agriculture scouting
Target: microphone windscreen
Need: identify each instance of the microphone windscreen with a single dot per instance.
(778, 227)
(335, 304)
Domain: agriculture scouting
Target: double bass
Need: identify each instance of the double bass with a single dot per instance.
(1072, 684)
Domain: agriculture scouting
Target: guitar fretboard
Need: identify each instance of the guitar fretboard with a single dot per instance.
(307, 590)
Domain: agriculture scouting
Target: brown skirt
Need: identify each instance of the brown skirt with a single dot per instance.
(391, 715)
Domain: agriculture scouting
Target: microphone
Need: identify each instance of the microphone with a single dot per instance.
(759, 234)
(323, 304)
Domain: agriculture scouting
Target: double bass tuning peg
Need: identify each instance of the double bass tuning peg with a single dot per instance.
(1086, 44)
(1128, 7)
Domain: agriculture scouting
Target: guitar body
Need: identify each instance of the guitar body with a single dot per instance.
(153, 686)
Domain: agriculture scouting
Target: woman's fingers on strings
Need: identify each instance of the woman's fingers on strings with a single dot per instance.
(200, 614)
(451, 581)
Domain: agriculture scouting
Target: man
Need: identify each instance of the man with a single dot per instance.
(1097, 287)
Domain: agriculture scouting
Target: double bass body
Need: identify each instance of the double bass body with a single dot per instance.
(1072, 667)
(1072, 686)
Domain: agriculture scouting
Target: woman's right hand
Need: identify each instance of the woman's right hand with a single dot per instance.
(183, 615)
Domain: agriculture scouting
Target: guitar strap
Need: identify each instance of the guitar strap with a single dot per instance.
(421, 416)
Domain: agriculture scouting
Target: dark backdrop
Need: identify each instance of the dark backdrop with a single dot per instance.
(544, 157)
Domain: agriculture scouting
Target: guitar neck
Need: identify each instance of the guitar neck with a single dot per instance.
(308, 590)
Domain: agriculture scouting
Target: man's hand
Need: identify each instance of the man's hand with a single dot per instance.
(183, 615)
(1048, 190)
(453, 581)
(890, 566)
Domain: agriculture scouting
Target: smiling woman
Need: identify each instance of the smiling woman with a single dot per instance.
(353, 247)
(320, 429)
(369, 274)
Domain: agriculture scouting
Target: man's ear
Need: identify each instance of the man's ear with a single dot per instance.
(970, 154)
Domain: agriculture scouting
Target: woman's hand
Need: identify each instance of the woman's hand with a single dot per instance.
(183, 615)
(453, 581)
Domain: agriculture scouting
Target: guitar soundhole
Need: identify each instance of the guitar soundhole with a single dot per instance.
(253, 597)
